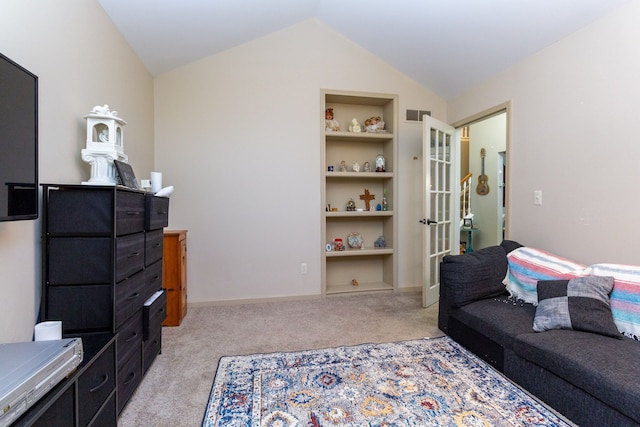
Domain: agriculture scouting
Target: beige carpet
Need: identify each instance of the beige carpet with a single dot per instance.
(176, 389)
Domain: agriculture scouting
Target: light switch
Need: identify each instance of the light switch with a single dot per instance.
(537, 197)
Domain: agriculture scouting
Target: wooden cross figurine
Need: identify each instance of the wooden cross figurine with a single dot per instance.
(367, 197)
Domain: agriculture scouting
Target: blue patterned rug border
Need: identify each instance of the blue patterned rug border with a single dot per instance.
(248, 370)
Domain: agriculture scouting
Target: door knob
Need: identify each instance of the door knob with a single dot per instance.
(428, 221)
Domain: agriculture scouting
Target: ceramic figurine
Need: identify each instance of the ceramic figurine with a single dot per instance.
(330, 123)
(354, 126)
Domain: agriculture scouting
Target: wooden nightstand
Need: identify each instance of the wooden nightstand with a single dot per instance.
(174, 275)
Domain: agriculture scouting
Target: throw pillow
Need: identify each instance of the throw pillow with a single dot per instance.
(580, 304)
(474, 275)
(529, 265)
(625, 298)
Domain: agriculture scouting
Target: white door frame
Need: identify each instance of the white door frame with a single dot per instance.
(505, 107)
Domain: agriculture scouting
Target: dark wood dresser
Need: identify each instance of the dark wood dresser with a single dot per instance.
(102, 271)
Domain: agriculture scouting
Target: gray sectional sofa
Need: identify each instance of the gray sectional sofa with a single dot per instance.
(592, 379)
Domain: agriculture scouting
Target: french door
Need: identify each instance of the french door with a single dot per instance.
(441, 190)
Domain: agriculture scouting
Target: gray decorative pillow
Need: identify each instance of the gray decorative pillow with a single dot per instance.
(581, 304)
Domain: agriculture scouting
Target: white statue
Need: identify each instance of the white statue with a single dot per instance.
(103, 110)
(354, 126)
(356, 167)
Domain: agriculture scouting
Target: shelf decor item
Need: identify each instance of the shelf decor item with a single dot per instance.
(355, 240)
(367, 197)
(331, 124)
(380, 163)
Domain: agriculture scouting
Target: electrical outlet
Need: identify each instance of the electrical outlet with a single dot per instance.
(304, 268)
(537, 197)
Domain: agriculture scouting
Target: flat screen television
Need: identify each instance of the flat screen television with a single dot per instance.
(18, 142)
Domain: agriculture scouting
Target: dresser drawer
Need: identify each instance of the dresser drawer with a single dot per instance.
(96, 384)
(129, 297)
(129, 212)
(130, 337)
(157, 215)
(108, 415)
(129, 376)
(78, 211)
(80, 260)
(153, 313)
(153, 246)
(129, 255)
(81, 307)
(150, 349)
(153, 278)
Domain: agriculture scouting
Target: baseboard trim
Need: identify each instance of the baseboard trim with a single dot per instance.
(251, 300)
(408, 289)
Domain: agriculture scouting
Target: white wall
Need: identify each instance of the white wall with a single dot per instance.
(575, 137)
(238, 135)
(81, 60)
(490, 134)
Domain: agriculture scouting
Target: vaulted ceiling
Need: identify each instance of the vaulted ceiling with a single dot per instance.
(446, 45)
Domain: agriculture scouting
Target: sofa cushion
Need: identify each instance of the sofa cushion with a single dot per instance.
(474, 275)
(529, 265)
(625, 297)
(499, 319)
(604, 367)
(581, 304)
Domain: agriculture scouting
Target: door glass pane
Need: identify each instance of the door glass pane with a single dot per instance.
(434, 171)
(434, 144)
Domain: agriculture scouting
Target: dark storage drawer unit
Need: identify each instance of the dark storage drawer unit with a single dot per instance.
(102, 261)
(87, 396)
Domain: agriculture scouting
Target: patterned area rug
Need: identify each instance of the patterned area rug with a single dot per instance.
(430, 382)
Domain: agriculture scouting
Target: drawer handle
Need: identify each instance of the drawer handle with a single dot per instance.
(133, 296)
(132, 375)
(155, 278)
(157, 245)
(133, 254)
(133, 213)
(99, 386)
(133, 337)
(161, 212)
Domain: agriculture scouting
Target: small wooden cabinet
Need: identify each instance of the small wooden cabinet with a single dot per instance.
(175, 275)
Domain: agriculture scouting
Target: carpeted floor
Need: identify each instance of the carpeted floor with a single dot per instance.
(176, 389)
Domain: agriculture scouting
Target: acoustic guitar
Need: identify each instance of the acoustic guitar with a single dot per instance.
(483, 182)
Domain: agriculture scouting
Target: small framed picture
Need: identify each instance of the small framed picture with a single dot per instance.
(126, 176)
(468, 223)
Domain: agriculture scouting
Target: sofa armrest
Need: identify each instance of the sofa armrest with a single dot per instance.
(473, 276)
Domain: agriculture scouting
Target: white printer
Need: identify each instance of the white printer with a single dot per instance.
(28, 370)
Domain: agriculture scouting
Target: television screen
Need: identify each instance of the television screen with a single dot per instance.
(18, 142)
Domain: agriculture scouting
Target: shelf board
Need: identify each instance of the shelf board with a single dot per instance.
(359, 136)
(360, 252)
(362, 287)
(360, 175)
(356, 214)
